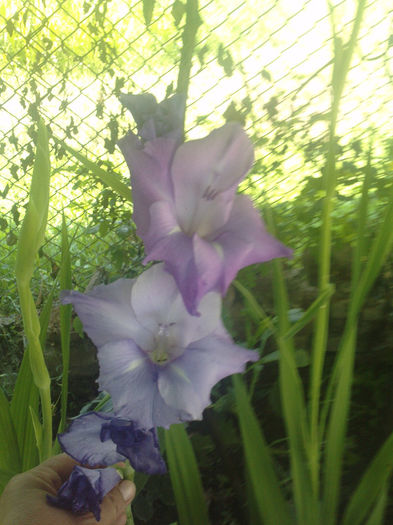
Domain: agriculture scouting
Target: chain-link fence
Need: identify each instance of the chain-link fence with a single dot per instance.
(268, 64)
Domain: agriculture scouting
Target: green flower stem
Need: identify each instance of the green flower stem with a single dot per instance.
(343, 56)
(193, 21)
(38, 367)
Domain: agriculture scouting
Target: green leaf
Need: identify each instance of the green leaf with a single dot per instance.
(178, 11)
(185, 478)
(310, 313)
(377, 515)
(30, 239)
(25, 395)
(293, 402)
(148, 7)
(33, 228)
(271, 505)
(112, 180)
(38, 428)
(371, 485)
(65, 321)
(9, 451)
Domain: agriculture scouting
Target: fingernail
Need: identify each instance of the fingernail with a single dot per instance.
(126, 488)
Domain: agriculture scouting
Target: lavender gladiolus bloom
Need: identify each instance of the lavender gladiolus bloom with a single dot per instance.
(157, 361)
(188, 214)
(164, 119)
(102, 439)
(85, 490)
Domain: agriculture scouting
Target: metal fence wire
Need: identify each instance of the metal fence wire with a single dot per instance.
(266, 63)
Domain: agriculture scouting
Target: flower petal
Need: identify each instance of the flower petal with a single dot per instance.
(106, 311)
(85, 490)
(204, 168)
(157, 302)
(140, 446)
(131, 380)
(244, 241)
(150, 179)
(82, 441)
(185, 384)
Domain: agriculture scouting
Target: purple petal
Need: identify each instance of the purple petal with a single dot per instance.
(85, 490)
(150, 178)
(105, 311)
(102, 439)
(140, 446)
(176, 250)
(204, 168)
(244, 241)
(166, 308)
(131, 380)
(186, 383)
(107, 314)
(82, 441)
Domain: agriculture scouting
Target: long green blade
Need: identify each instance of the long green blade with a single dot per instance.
(293, 403)
(185, 478)
(65, 321)
(10, 462)
(269, 500)
(25, 395)
(30, 239)
(109, 179)
(370, 486)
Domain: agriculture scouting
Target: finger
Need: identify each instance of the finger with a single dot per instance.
(61, 464)
(115, 502)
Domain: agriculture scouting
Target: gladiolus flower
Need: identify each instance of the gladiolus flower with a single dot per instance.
(157, 361)
(102, 439)
(188, 214)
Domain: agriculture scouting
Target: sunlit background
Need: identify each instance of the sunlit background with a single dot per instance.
(266, 63)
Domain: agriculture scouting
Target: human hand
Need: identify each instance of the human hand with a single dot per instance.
(24, 502)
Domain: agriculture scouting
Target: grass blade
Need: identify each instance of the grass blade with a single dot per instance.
(185, 478)
(25, 395)
(292, 398)
(270, 502)
(371, 486)
(65, 321)
(112, 180)
(310, 313)
(10, 461)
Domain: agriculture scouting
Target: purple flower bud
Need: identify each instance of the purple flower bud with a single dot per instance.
(156, 120)
(98, 438)
(85, 490)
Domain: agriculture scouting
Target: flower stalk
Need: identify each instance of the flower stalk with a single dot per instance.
(342, 60)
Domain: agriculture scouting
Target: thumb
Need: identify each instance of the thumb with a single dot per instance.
(113, 506)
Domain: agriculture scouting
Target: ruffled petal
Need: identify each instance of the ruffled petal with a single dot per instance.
(186, 383)
(202, 169)
(85, 489)
(157, 302)
(82, 441)
(244, 241)
(106, 311)
(140, 446)
(131, 379)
